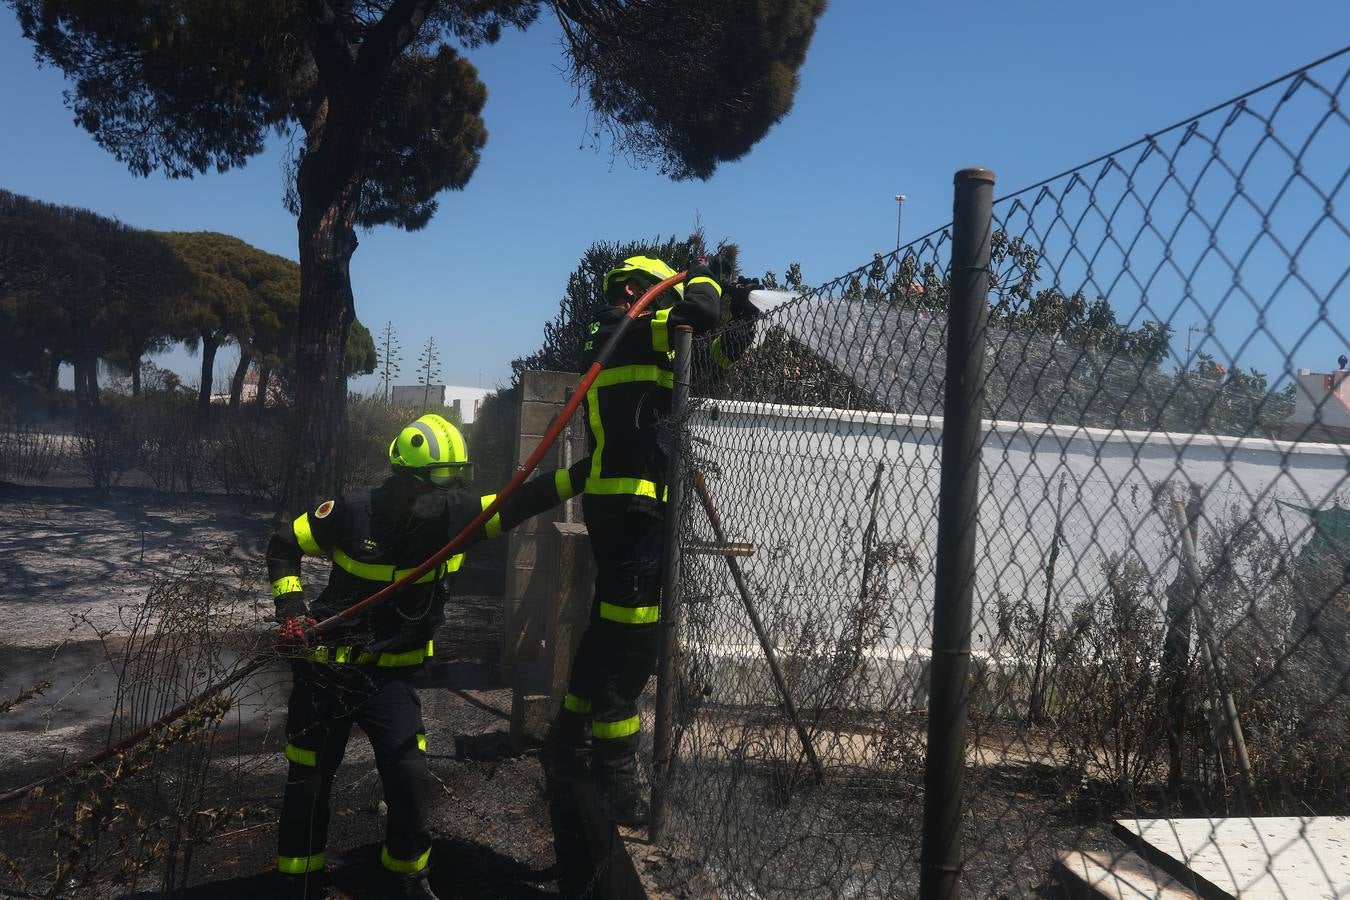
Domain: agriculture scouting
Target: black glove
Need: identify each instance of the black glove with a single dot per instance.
(290, 606)
(741, 307)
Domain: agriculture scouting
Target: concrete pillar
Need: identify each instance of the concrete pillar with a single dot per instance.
(549, 569)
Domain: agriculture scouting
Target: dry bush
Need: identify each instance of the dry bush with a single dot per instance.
(134, 820)
(27, 452)
(107, 445)
(175, 448)
(253, 453)
(371, 425)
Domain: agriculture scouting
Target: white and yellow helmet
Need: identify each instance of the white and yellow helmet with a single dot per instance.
(433, 450)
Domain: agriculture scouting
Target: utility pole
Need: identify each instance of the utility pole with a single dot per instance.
(899, 210)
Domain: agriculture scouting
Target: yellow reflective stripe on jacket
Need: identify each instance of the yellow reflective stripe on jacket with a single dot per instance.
(704, 279)
(609, 731)
(562, 483)
(661, 331)
(301, 865)
(386, 573)
(403, 865)
(353, 655)
(630, 615)
(636, 372)
(304, 536)
(638, 487)
(718, 356)
(573, 703)
(453, 563)
(302, 756)
(286, 584)
(422, 742)
(493, 526)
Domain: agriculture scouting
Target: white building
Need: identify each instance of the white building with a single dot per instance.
(1321, 405)
(463, 400)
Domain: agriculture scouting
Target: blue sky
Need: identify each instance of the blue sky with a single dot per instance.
(894, 98)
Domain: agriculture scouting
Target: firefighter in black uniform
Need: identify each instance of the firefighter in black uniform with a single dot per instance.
(362, 672)
(623, 505)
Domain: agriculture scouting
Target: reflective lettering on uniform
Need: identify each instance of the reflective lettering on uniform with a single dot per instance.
(287, 584)
(610, 731)
(573, 703)
(403, 865)
(301, 865)
(630, 615)
(301, 756)
(493, 527)
(305, 537)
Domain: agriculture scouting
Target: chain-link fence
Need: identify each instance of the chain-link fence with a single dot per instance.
(1160, 614)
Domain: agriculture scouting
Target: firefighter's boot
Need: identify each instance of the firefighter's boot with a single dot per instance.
(622, 796)
(564, 754)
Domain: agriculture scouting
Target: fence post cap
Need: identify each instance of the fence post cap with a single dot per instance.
(975, 173)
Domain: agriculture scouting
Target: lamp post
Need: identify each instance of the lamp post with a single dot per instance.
(899, 209)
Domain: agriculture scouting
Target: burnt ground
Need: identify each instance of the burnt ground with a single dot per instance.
(74, 562)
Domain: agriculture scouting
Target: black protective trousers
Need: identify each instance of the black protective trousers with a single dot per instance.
(326, 700)
(617, 653)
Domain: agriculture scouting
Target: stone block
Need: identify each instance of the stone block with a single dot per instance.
(551, 387)
(536, 416)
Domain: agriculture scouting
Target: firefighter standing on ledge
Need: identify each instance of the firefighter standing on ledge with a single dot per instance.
(624, 505)
(363, 671)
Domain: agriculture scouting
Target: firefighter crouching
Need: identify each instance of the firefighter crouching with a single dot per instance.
(361, 672)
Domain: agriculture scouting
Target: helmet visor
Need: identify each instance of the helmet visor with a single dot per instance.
(450, 475)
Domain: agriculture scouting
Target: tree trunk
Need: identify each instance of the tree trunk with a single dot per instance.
(329, 188)
(135, 361)
(91, 384)
(53, 373)
(237, 383)
(209, 344)
(264, 387)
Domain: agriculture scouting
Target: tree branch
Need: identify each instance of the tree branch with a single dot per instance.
(387, 39)
(332, 53)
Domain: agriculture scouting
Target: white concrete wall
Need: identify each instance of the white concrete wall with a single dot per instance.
(794, 480)
(455, 396)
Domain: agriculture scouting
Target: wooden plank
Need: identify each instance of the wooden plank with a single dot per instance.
(1293, 856)
(1117, 875)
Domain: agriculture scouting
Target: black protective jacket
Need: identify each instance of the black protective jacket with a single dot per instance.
(373, 537)
(632, 394)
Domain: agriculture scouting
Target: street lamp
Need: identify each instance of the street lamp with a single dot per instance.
(1207, 328)
(899, 209)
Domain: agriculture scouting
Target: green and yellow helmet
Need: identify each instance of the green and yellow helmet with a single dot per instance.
(433, 450)
(647, 269)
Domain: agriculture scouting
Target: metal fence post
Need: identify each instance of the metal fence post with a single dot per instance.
(670, 584)
(958, 520)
